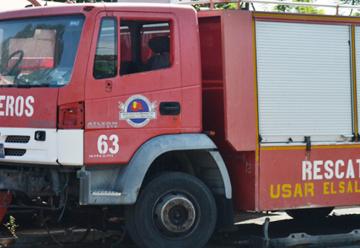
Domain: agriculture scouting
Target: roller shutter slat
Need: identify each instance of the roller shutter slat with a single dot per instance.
(304, 81)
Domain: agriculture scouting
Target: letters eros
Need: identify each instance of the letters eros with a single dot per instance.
(18, 106)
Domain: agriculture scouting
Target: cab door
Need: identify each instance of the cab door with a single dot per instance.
(133, 86)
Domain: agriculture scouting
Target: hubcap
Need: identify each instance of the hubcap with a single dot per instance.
(175, 214)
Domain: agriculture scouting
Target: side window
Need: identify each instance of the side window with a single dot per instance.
(105, 64)
(145, 46)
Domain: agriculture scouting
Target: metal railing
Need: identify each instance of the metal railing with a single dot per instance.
(240, 3)
(212, 3)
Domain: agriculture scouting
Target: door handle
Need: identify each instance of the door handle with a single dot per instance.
(170, 108)
(108, 85)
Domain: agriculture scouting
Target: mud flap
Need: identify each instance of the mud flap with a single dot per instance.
(5, 200)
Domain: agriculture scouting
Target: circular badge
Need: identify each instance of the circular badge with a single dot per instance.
(137, 111)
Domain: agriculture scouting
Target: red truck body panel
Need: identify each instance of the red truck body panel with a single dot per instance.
(217, 90)
(102, 106)
(326, 176)
(235, 73)
(46, 100)
(5, 200)
(265, 178)
(294, 177)
(180, 83)
(29, 107)
(229, 96)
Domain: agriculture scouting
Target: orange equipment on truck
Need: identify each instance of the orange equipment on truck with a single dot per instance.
(174, 118)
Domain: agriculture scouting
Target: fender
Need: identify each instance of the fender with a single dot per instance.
(127, 181)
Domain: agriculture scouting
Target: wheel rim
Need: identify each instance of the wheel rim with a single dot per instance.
(175, 215)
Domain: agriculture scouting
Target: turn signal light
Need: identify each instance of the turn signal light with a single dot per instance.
(71, 116)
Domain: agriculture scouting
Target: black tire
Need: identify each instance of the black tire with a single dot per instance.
(309, 214)
(184, 201)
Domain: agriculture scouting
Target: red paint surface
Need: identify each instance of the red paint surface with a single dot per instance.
(44, 108)
(222, 102)
(5, 200)
(211, 48)
(229, 78)
(229, 115)
(178, 83)
(131, 138)
(212, 79)
(239, 81)
(229, 97)
(243, 173)
(285, 167)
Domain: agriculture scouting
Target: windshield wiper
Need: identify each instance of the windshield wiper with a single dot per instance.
(32, 85)
(8, 86)
(26, 86)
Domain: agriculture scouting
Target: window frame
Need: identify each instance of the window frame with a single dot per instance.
(57, 57)
(116, 46)
(131, 84)
(172, 56)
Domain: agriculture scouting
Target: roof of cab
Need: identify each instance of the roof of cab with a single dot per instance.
(93, 8)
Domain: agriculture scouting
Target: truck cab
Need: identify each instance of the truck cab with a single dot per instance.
(82, 73)
(98, 100)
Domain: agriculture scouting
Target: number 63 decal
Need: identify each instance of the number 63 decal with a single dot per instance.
(108, 144)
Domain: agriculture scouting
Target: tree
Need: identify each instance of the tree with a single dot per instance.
(352, 2)
(299, 9)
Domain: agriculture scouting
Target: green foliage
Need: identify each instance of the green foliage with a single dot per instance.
(282, 8)
(217, 6)
(12, 226)
(352, 2)
(226, 6)
(299, 9)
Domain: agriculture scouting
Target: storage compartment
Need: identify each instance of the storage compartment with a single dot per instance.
(229, 96)
(304, 82)
(228, 74)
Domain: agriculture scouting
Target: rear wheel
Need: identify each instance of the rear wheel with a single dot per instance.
(309, 213)
(174, 210)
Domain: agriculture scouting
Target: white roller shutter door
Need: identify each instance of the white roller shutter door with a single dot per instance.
(304, 82)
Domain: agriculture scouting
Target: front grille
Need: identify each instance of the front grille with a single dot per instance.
(14, 152)
(17, 139)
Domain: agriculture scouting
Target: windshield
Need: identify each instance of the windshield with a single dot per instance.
(38, 52)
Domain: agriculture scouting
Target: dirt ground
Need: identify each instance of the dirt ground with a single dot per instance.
(247, 232)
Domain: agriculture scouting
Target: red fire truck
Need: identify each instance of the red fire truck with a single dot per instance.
(175, 119)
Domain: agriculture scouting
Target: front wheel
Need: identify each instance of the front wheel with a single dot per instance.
(174, 210)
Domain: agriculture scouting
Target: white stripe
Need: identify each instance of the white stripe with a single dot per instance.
(65, 147)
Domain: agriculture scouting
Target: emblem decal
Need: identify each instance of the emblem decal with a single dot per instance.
(137, 111)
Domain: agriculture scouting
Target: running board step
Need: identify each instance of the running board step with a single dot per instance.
(106, 193)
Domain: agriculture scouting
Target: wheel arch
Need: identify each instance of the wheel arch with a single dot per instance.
(199, 152)
(121, 185)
